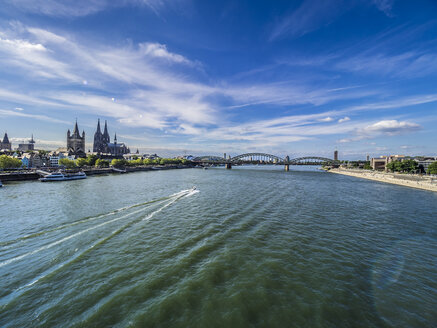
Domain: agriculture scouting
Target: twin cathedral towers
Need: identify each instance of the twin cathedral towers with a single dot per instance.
(102, 143)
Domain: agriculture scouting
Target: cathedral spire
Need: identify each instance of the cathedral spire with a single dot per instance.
(106, 128)
(6, 139)
(99, 131)
(106, 137)
(76, 129)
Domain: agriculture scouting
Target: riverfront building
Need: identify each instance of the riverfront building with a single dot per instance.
(380, 163)
(30, 145)
(102, 143)
(5, 144)
(76, 142)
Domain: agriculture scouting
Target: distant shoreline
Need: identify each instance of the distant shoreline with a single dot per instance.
(32, 175)
(418, 182)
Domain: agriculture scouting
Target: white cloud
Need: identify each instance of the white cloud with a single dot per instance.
(385, 128)
(326, 119)
(344, 119)
(159, 50)
(392, 127)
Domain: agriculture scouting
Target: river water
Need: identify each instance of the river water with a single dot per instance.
(249, 247)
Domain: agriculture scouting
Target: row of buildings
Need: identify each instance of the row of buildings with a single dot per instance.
(6, 145)
(41, 159)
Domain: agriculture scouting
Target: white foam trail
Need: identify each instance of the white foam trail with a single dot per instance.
(11, 243)
(186, 193)
(64, 239)
(17, 258)
(22, 289)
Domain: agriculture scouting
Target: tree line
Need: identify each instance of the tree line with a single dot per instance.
(94, 161)
(9, 162)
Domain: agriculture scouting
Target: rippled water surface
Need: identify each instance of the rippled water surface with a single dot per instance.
(250, 247)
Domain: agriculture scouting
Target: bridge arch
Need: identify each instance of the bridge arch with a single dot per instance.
(208, 159)
(257, 156)
(311, 158)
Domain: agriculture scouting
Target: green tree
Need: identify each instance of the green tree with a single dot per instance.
(102, 163)
(118, 163)
(81, 162)
(432, 168)
(91, 159)
(390, 166)
(136, 162)
(367, 166)
(68, 163)
(8, 162)
(410, 166)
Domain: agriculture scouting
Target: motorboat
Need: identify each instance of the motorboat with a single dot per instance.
(60, 176)
(114, 169)
(1, 185)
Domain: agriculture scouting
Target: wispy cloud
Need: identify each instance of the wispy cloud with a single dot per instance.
(160, 51)
(392, 53)
(79, 8)
(7, 112)
(158, 97)
(309, 16)
(385, 6)
(344, 119)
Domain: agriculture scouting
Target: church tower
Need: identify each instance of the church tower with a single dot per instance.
(76, 142)
(5, 144)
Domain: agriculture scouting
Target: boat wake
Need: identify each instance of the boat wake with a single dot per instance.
(165, 202)
(10, 243)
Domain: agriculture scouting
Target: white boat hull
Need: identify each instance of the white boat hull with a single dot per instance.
(62, 177)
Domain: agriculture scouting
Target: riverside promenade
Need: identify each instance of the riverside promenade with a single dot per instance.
(28, 175)
(406, 180)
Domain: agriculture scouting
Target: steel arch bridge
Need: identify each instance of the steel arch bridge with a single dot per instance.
(257, 157)
(311, 159)
(264, 157)
(209, 159)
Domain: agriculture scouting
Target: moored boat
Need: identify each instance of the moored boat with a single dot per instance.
(60, 176)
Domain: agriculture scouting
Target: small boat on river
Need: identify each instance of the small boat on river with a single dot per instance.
(61, 176)
(1, 185)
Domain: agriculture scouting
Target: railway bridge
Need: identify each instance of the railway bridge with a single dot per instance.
(263, 158)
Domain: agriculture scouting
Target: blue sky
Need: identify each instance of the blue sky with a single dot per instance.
(208, 77)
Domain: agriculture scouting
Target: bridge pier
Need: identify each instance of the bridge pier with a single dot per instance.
(228, 166)
(287, 167)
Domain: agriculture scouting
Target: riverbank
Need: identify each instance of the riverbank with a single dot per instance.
(33, 175)
(412, 181)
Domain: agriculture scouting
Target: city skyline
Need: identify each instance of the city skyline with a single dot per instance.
(301, 78)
